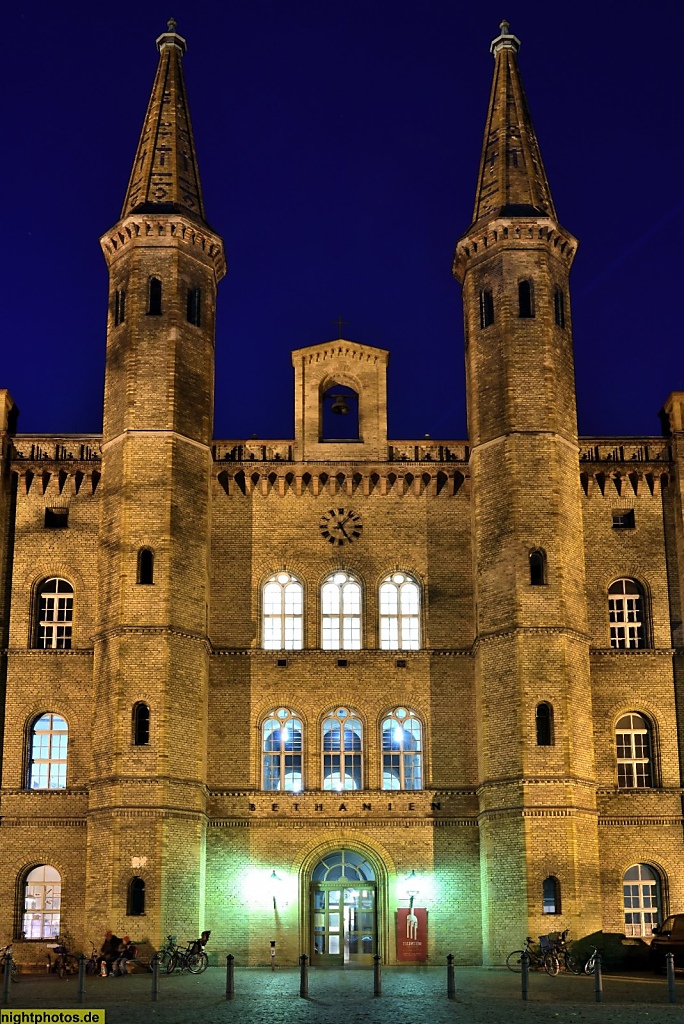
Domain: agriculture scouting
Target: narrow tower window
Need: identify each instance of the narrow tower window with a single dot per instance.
(194, 306)
(544, 720)
(141, 724)
(551, 896)
(154, 306)
(537, 568)
(559, 307)
(525, 300)
(146, 567)
(119, 306)
(136, 897)
(486, 308)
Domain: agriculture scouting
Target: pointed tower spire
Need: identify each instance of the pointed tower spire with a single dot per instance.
(512, 180)
(165, 177)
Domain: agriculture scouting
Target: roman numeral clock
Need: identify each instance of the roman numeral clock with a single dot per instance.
(340, 526)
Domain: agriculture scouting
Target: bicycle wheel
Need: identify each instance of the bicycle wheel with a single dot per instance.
(171, 963)
(513, 961)
(572, 964)
(68, 965)
(551, 964)
(198, 962)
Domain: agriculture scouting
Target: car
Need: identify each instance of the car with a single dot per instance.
(668, 938)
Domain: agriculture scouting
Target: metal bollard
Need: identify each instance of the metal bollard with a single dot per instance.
(6, 977)
(377, 976)
(598, 979)
(155, 978)
(81, 978)
(451, 980)
(304, 976)
(230, 976)
(671, 993)
(524, 974)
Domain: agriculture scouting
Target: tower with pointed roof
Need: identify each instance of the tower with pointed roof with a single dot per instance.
(147, 803)
(531, 645)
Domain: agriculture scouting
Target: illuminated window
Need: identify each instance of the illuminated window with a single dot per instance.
(633, 743)
(626, 613)
(282, 599)
(48, 753)
(341, 613)
(399, 613)
(42, 903)
(402, 759)
(342, 750)
(55, 614)
(641, 899)
(282, 751)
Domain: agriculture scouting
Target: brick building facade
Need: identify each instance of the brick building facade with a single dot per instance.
(345, 694)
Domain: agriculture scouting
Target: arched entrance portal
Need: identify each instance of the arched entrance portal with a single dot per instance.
(343, 910)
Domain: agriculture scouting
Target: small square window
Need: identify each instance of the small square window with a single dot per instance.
(401, 662)
(282, 662)
(56, 518)
(623, 519)
(341, 662)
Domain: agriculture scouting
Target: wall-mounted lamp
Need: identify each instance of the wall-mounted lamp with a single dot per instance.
(412, 888)
(275, 885)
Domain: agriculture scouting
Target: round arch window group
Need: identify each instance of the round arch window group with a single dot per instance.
(341, 612)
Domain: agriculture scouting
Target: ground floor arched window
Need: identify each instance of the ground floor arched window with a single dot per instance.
(41, 903)
(641, 899)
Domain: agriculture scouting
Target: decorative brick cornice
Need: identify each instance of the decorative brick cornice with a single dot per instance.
(164, 229)
(557, 630)
(633, 652)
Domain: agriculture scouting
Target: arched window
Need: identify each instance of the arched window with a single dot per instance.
(282, 751)
(341, 613)
(544, 721)
(282, 601)
(641, 899)
(55, 614)
(486, 308)
(402, 759)
(154, 305)
(135, 904)
(559, 307)
(42, 891)
(626, 613)
(525, 300)
(551, 895)
(399, 613)
(141, 724)
(633, 746)
(146, 566)
(194, 306)
(342, 750)
(48, 752)
(537, 568)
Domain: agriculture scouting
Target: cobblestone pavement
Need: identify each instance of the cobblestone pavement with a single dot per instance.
(409, 996)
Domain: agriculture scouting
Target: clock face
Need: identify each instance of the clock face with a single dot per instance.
(340, 526)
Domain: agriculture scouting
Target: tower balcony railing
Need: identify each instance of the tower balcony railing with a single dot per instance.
(631, 449)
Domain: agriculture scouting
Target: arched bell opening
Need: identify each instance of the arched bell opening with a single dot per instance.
(339, 413)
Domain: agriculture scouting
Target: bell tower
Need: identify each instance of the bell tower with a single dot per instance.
(147, 816)
(538, 817)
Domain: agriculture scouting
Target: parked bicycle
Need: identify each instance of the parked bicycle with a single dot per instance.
(541, 954)
(164, 954)
(566, 958)
(7, 959)
(591, 961)
(192, 958)
(65, 963)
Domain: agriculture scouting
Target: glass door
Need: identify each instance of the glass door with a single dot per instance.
(344, 925)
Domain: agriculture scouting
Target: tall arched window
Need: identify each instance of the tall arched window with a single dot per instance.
(537, 567)
(626, 613)
(154, 305)
(342, 750)
(282, 602)
(341, 613)
(402, 759)
(641, 899)
(282, 751)
(48, 752)
(146, 567)
(551, 895)
(399, 613)
(544, 722)
(55, 614)
(42, 892)
(525, 299)
(135, 904)
(633, 747)
(141, 724)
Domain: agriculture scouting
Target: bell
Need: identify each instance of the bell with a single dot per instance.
(339, 406)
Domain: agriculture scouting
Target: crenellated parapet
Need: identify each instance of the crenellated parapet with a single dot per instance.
(283, 451)
(621, 467)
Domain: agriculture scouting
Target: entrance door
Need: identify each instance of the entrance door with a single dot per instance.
(344, 925)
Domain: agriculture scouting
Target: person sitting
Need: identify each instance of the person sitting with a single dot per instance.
(109, 951)
(127, 951)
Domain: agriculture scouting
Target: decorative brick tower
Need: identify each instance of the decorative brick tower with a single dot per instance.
(147, 816)
(538, 820)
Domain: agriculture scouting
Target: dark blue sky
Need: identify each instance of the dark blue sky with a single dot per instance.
(338, 147)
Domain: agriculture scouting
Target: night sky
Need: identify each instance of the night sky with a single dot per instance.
(338, 148)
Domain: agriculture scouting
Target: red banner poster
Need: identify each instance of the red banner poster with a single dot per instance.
(412, 934)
